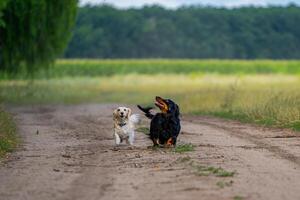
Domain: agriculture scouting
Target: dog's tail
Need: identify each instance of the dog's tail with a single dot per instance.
(135, 119)
(146, 111)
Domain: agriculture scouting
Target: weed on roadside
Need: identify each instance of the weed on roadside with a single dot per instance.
(181, 148)
(222, 184)
(8, 138)
(238, 198)
(210, 170)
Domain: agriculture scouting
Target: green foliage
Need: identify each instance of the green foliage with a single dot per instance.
(2, 6)
(188, 32)
(8, 138)
(34, 33)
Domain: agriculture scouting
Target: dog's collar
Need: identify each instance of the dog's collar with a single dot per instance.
(122, 124)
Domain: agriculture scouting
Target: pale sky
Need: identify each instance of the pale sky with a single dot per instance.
(177, 3)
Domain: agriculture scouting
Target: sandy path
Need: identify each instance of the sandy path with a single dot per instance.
(68, 153)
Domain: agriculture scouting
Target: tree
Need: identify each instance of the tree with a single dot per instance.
(2, 6)
(103, 31)
(34, 32)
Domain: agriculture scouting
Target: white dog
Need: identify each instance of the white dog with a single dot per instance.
(124, 125)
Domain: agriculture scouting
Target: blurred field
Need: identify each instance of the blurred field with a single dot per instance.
(182, 66)
(108, 67)
(243, 92)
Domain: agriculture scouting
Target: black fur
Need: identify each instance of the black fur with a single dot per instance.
(164, 125)
(146, 111)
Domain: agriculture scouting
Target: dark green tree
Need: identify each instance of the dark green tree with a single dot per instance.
(2, 6)
(34, 33)
(103, 31)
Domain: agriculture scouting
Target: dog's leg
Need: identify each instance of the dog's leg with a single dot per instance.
(155, 142)
(117, 139)
(127, 141)
(131, 137)
(169, 143)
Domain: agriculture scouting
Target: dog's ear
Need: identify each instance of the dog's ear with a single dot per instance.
(129, 112)
(115, 114)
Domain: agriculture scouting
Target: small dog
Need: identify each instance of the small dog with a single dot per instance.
(165, 125)
(124, 125)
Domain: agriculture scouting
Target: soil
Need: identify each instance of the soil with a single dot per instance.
(68, 152)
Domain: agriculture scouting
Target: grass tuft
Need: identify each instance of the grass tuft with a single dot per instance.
(181, 148)
(222, 184)
(210, 170)
(238, 198)
(8, 139)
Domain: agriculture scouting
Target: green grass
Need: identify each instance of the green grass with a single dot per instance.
(238, 198)
(109, 67)
(181, 148)
(165, 66)
(8, 139)
(202, 170)
(222, 184)
(211, 170)
(144, 130)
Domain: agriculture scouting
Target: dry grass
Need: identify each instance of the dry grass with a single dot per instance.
(268, 99)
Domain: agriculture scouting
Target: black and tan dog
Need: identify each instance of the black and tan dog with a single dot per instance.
(165, 125)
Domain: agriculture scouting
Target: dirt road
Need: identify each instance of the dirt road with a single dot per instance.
(68, 153)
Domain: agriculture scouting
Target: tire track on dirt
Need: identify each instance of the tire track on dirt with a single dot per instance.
(258, 141)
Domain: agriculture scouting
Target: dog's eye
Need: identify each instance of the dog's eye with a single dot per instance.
(125, 109)
(118, 109)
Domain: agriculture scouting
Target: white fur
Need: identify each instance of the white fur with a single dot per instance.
(124, 125)
(135, 118)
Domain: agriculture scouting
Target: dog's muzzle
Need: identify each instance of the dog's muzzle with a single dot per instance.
(122, 124)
